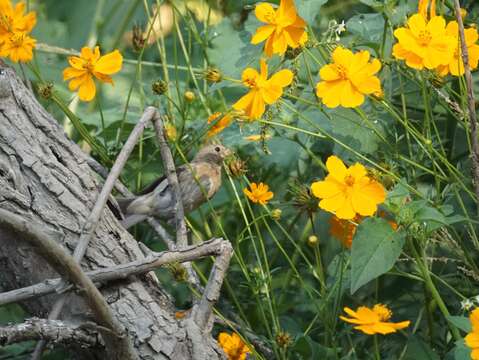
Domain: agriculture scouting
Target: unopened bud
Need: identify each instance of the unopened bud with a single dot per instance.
(45, 90)
(276, 214)
(189, 96)
(313, 240)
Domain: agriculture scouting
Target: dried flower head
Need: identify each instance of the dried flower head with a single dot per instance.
(159, 87)
(283, 339)
(213, 75)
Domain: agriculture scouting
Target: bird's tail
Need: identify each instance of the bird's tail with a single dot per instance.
(131, 220)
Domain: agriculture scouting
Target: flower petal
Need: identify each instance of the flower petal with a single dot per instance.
(262, 33)
(109, 63)
(87, 89)
(264, 12)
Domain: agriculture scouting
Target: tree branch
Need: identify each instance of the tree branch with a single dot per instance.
(55, 331)
(155, 260)
(118, 344)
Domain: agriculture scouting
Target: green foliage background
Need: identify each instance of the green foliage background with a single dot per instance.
(278, 283)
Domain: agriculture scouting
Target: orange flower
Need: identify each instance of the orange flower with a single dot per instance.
(456, 66)
(373, 321)
(14, 28)
(18, 47)
(262, 90)
(472, 339)
(259, 193)
(90, 64)
(343, 230)
(284, 27)
(423, 43)
(347, 192)
(233, 346)
(348, 79)
(218, 125)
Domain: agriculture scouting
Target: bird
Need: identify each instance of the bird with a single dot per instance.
(199, 181)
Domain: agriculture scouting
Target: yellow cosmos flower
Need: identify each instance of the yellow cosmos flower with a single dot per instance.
(14, 28)
(348, 79)
(90, 64)
(258, 193)
(472, 339)
(284, 27)
(424, 44)
(456, 66)
(233, 346)
(262, 90)
(373, 321)
(18, 47)
(218, 125)
(347, 192)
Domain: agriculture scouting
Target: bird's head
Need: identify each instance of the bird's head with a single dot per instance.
(214, 153)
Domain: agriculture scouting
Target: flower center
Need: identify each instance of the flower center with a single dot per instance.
(342, 71)
(270, 17)
(88, 66)
(17, 39)
(424, 37)
(383, 312)
(250, 82)
(349, 180)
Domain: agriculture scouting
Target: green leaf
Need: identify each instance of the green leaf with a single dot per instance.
(368, 27)
(375, 249)
(419, 350)
(309, 9)
(461, 322)
(461, 351)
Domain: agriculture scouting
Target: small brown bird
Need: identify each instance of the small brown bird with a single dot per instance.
(199, 178)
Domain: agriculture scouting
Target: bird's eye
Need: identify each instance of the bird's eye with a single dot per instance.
(217, 149)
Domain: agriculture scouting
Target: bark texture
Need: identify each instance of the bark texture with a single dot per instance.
(45, 178)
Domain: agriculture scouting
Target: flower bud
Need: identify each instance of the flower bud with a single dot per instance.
(313, 240)
(189, 96)
(170, 132)
(276, 214)
(237, 167)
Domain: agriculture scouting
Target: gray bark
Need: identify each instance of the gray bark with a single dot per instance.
(45, 178)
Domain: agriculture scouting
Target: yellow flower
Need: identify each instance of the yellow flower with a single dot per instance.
(423, 43)
(373, 321)
(348, 79)
(13, 20)
(456, 66)
(90, 64)
(259, 193)
(218, 125)
(284, 27)
(18, 47)
(262, 90)
(14, 28)
(233, 346)
(472, 339)
(347, 192)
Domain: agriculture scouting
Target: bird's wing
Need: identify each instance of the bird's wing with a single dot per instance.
(149, 188)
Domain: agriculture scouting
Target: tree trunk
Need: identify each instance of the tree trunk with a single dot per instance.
(44, 178)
